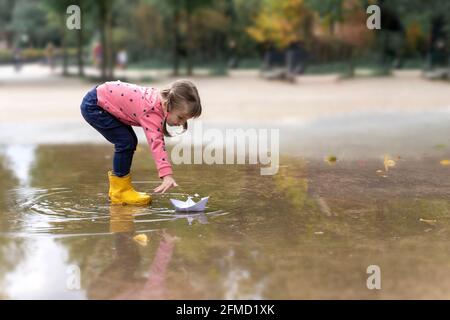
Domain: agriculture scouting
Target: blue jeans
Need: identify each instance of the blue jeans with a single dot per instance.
(121, 135)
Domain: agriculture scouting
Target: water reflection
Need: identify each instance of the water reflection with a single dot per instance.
(121, 279)
(41, 273)
(20, 158)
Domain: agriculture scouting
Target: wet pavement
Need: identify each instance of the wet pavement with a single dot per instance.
(310, 231)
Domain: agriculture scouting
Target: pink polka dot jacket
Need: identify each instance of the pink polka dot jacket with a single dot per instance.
(138, 106)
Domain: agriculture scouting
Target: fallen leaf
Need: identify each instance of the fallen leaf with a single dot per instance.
(331, 159)
(445, 162)
(430, 222)
(141, 239)
(388, 162)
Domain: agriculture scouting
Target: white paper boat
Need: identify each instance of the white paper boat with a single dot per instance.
(189, 204)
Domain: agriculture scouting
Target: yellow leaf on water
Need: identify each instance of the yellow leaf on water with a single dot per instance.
(445, 162)
(331, 159)
(388, 162)
(430, 222)
(141, 239)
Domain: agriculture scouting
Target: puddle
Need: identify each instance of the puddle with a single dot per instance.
(310, 231)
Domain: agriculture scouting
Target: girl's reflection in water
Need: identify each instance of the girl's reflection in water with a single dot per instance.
(119, 280)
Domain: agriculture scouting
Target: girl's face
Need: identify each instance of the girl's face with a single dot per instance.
(177, 117)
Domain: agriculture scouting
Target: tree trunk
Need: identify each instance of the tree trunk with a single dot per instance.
(351, 64)
(103, 44)
(103, 41)
(188, 43)
(80, 53)
(176, 42)
(109, 49)
(65, 62)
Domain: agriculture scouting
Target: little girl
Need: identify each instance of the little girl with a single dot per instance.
(113, 107)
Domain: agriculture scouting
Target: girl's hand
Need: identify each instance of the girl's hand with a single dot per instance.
(168, 182)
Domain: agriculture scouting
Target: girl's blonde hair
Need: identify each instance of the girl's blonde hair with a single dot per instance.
(179, 94)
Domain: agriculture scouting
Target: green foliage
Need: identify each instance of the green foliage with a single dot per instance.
(330, 11)
(282, 22)
(209, 32)
(26, 19)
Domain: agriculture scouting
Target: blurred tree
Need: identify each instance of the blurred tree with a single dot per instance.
(57, 15)
(29, 24)
(190, 8)
(104, 13)
(85, 7)
(181, 14)
(415, 38)
(282, 22)
(330, 11)
(353, 31)
(431, 17)
(171, 10)
(6, 11)
(241, 15)
(389, 39)
(146, 40)
(212, 24)
(56, 11)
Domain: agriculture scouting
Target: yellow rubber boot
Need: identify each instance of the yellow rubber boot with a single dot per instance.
(122, 192)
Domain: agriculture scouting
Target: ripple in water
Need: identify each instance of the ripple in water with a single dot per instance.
(66, 212)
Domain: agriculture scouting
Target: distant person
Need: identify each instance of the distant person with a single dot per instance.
(232, 60)
(97, 54)
(122, 59)
(277, 64)
(17, 58)
(50, 55)
(113, 107)
(295, 58)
